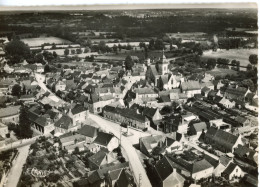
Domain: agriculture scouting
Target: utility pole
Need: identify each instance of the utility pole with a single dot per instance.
(140, 179)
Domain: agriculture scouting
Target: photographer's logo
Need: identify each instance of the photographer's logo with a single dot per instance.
(38, 173)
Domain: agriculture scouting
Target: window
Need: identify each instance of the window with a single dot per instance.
(236, 170)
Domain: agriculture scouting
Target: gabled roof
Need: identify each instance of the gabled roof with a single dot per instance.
(98, 157)
(103, 138)
(88, 131)
(77, 109)
(150, 141)
(42, 121)
(230, 168)
(125, 179)
(200, 126)
(191, 85)
(64, 122)
(200, 166)
(165, 167)
(224, 160)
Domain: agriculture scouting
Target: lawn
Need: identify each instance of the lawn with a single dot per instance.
(241, 55)
(34, 42)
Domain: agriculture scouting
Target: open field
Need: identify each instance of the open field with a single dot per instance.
(241, 55)
(222, 72)
(33, 42)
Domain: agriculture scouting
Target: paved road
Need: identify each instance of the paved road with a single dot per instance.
(134, 160)
(16, 171)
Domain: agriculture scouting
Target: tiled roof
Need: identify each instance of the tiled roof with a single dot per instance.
(77, 109)
(103, 138)
(200, 166)
(64, 122)
(191, 85)
(88, 131)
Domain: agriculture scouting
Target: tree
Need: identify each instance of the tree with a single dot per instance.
(16, 90)
(79, 51)
(73, 51)
(25, 124)
(249, 67)
(47, 68)
(253, 59)
(158, 45)
(66, 52)
(55, 55)
(129, 63)
(16, 51)
(166, 110)
(86, 50)
(115, 48)
(38, 58)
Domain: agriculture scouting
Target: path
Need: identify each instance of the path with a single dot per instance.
(16, 171)
(134, 160)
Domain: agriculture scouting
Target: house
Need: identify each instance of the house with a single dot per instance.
(222, 140)
(71, 140)
(108, 175)
(10, 114)
(185, 120)
(227, 103)
(96, 103)
(27, 99)
(71, 148)
(144, 93)
(204, 91)
(125, 179)
(219, 167)
(128, 116)
(100, 159)
(64, 125)
(153, 114)
(168, 81)
(242, 121)
(148, 143)
(172, 144)
(90, 132)
(190, 88)
(238, 93)
(78, 114)
(167, 175)
(43, 125)
(232, 171)
(201, 169)
(60, 85)
(198, 128)
(105, 140)
(245, 153)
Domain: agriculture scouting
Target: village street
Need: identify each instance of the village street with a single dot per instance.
(134, 160)
(16, 171)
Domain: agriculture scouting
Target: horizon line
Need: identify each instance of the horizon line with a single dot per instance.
(249, 5)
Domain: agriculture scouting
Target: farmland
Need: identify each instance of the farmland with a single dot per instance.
(222, 72)
(33, 42)
(241, 55)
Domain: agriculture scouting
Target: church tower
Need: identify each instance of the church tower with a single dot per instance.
(163, 65)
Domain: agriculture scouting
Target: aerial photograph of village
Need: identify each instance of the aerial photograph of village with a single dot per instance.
(129, 98)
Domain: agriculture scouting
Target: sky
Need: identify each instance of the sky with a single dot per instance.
(130, 4)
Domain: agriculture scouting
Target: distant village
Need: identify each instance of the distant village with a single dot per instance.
(136, 122)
